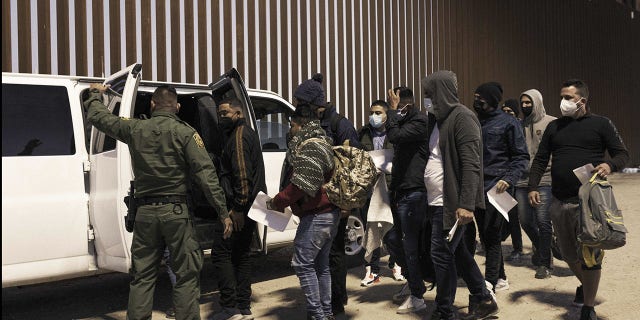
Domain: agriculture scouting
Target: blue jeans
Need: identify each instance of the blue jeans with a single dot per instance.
(448, 259)
(403, 240)
(536, 223)
(311, 260)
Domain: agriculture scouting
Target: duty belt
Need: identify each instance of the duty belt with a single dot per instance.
(160, 200)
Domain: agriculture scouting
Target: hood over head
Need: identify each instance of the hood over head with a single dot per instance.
(442, 88)
(538, 111)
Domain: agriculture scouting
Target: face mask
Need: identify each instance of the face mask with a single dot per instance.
(568, 108)
(527, 111)
(428, 105)
(376, 120)
(480, 107)
(403, 111)
(226, 124)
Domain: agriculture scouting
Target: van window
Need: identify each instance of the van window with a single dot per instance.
(272, 119)
(36, 121)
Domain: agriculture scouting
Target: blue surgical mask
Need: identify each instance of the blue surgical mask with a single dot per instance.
(428, 105)
(376, 120)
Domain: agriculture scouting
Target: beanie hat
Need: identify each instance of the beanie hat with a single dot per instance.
(311, 91)
(491, 92)
(514, 104)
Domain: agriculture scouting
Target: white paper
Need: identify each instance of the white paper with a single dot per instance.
(379, 208)
(382, 159)
(584, 173)
(501, 201)
(271, 218)
(452, 232)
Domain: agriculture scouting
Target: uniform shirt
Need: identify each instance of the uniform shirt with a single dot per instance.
(164, 150)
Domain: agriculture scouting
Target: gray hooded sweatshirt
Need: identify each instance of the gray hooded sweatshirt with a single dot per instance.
(460, 144)
(534, 126)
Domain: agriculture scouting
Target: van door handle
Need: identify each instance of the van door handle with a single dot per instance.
(86, 166)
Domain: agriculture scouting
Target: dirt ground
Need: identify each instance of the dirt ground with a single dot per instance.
(277, 295)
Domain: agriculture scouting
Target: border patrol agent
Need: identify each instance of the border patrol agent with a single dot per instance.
(164, 150)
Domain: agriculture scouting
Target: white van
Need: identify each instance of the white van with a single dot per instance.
(63, 181)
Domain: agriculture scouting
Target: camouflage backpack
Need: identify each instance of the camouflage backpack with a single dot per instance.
(601, 224)
(353, 177)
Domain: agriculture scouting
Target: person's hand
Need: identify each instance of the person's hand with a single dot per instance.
(99, 86)
(271, 207)
(603, 170)
(238, 220)
(393, 99)
(534, 198)
(228, 228)
(502, 186)
(464, 216)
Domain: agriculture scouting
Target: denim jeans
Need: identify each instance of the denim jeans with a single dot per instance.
(448, 259)
(536, 222)
(403, 240)
(311, 260)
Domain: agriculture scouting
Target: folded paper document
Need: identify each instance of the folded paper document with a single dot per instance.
(273, 219)
(501, 201)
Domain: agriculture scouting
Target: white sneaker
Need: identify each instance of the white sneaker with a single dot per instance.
(490, 288)
(412, 304)
(397, 272)
(502, 285)
(402, 294)
(369, 278)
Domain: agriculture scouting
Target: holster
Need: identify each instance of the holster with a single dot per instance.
(132, 208)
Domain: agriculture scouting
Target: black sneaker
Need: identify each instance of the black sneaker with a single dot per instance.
(171, 313)
(578, 301)
(588, 313)
(246, 314)
(543, 272)
(482, 310)
(515, 256)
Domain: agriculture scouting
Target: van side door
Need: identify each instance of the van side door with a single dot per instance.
(44, 200)
(110, 176)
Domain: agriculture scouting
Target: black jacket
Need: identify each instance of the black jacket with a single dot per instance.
(242, 172)
(410, 138)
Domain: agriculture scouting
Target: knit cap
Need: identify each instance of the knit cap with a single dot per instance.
(490, 92)
(311, 91)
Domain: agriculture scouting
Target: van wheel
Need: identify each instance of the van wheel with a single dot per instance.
(354, 237)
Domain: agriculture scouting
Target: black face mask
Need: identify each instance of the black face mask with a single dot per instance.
(226, 124)
(480, 107)
(527, 111)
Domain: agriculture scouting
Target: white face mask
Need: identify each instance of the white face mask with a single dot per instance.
(428, 105)
(376, 120)
(569, 108)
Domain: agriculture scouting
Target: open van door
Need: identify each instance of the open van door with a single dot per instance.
(110, 175)
(230, 84)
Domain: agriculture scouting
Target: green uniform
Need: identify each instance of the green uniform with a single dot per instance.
(165, 151)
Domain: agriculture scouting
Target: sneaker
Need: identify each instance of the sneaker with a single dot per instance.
(246, 314)
(171, 313)
(228, 314)
(397, 273)
(515, 256)
(490, 288)
(578, 301)
(412, 304)
(588, 313)
(369, 278)
(402, 294)
(543, 272)
(482, 310)
(502, 285)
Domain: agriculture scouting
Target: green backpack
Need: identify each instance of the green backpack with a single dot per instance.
(601, 223)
